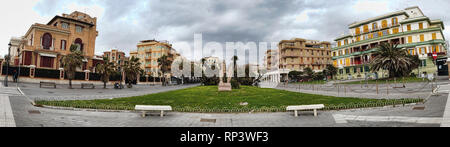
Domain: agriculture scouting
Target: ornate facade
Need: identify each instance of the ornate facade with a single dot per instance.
(46, 44)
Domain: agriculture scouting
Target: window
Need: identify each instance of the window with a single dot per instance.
(394, 21)
(408, 27)
(339, 43)
(410, 39)
(384, 24)
(433, 36)
(385, 32)
(366, 28)
(422, 38)
(46, 62)
(374, 26)
(63, 44)
(47, 41)
(395, 30)
(65, 25)
(421, 26)
(357, 31)
(358, 38)
(79, 29)
(346, 42)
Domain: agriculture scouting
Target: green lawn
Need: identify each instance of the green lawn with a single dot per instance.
(391, 81)
(208, 99)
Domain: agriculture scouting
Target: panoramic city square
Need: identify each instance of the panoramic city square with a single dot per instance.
(226, 65)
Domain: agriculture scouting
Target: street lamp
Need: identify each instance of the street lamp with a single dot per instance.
(7, 64)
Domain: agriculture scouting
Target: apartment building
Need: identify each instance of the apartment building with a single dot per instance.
(149, 51)
(297, 54)
(409, 28)
(270, 60)
(116, 56)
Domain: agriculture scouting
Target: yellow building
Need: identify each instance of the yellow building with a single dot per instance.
(116, 56)
(410, 29)
(148, 51)
(298, 54)
(269, 59)
(47, 43)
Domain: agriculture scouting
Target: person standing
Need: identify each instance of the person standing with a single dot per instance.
(15, 75)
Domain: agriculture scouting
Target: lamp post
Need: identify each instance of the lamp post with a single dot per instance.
(7, 64)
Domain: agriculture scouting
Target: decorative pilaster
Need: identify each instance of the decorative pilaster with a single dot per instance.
(32, 71)
(61, 73)
(86, 75)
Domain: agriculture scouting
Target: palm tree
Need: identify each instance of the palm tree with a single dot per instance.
(132, 68)
(330, 70)
(71, 62)
(309, 72)
(395, 60)
(164, 64)
(105, 69)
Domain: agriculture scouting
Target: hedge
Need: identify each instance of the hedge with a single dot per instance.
(46, 73)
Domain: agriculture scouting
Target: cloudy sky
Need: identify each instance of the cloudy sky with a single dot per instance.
(122, 24)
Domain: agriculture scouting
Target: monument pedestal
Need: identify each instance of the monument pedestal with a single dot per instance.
(225, 87)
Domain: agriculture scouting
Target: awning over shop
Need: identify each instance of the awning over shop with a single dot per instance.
(47, 55)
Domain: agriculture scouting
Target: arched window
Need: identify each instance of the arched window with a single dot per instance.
(47, 41)
(79, 42)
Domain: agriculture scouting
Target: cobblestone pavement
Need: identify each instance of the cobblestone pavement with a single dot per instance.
(63, 93)
(27, 115)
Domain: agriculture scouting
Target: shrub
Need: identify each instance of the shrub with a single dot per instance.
(235, 84)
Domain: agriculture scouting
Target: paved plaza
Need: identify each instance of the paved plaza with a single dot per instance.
(429, 114)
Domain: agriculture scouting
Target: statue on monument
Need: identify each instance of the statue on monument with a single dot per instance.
(224, 86)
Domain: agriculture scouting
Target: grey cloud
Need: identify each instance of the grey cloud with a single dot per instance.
(125, 23)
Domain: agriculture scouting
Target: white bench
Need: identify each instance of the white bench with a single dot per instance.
(305, 107)
(145, 108)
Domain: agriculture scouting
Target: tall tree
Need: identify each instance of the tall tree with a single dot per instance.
(330, 70)
(105, 69)
(164, 63)
(71, 62)
(132, 68)
(395, 60)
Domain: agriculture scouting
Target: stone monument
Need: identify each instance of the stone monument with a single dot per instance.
(224, 86)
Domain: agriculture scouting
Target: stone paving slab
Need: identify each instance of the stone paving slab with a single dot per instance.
(446, 117)
(6, 113)
(420, 120)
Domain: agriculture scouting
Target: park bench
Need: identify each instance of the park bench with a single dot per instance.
(48, 84)
(145, 108)
(90, 85)
(305, 107)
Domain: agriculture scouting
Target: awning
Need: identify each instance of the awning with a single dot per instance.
(47, 55)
